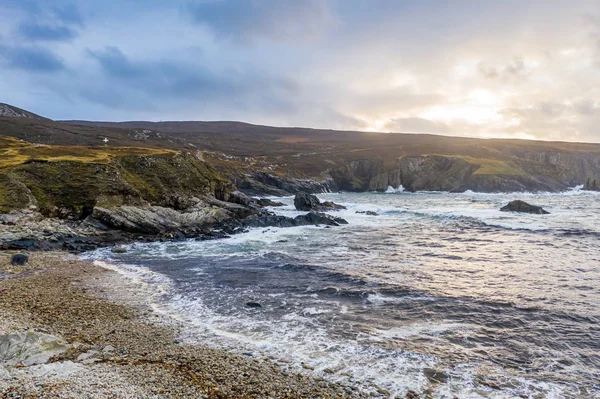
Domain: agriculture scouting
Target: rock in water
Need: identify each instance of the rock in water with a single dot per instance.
(523, 207)
(370, 213)
(308, 202)
(592, 185)
(19, 260)
(119, 250)
(253, 305)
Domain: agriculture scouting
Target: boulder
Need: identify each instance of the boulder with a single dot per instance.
(316, 218)
(592, 185)
(310, 219)
(237, 197)
(369, 213)
(308, 202)
(29, 348)
(19, 260)
(523, 207)
(263, 202)
(253, 305)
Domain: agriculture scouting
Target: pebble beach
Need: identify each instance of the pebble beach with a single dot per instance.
(92, 334)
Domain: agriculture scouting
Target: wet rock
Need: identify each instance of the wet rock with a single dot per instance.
(308, 202)
(237, 197)
(435, 376)
(369, 213)
(523, 207)
(119, 250)
(253, 305)
(317, 218)
(263, 202)
(19, 260)
(591, 185)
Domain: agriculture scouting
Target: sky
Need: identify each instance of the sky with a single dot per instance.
(522, 68)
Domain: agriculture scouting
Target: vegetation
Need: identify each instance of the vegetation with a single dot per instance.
(68, 180)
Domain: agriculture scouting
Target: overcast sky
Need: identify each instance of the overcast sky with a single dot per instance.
(527, 69)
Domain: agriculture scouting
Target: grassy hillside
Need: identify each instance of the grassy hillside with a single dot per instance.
(71, 180)
(236, 149)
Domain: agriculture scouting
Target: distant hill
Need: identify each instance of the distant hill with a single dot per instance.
(11, 111)
(350, 160)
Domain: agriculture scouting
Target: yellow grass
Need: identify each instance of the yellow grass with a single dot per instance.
(15, 152)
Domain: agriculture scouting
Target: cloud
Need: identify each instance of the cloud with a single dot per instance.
(31, 59)
(416, 125)
(154, 82)
(515, 70)
(69, 15)
(43, 32)
(248, 20)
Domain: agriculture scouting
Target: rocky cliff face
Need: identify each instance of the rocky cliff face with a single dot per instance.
(592, 185)
(535, 171)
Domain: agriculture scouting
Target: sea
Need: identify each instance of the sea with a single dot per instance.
(439, 293)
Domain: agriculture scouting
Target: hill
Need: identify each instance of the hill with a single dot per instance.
(264, 158)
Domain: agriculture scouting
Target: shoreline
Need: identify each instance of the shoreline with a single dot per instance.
(109, 341)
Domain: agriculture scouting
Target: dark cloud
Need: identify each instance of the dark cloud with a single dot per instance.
(415, 125)
(164, 80)
(31, 59)
(44, 32)
(246, 20)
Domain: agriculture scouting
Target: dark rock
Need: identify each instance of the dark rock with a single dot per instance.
(19, 260)
(237, 197)
(316, 218)
(19, 245)
(119, 250)
(310, 219)
(332, 205)
(370, 213)
(523, 207)
(591, 185)
(253, 305)
(262, 202)
(308, 202)
(260, 183)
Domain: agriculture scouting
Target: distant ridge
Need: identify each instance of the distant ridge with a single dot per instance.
(11, 111)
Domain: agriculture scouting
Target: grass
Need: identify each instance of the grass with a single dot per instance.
(15, 152)
(488, 166)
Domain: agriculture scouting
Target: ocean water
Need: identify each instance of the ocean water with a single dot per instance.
(440, 292)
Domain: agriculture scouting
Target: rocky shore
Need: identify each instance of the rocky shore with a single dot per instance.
(203, 219)
(70, 329)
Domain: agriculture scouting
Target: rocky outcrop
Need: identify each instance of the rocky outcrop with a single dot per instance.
(310, 219)
(523, 207)
(261, 183)
(591, 185)
(308, 202)
(264, 202)
(159, 220)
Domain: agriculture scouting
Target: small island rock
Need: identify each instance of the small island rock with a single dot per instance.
(308, 202)
(523, 207)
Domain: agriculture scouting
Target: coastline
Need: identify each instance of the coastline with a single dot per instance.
(112, 343)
